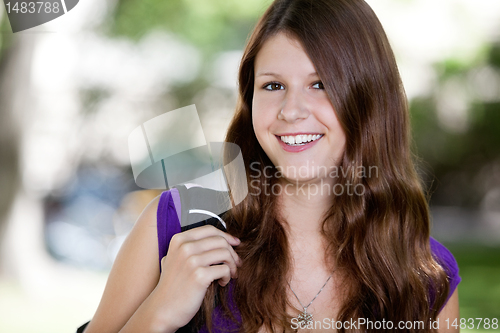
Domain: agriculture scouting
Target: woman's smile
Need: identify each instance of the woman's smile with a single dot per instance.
(295, 143)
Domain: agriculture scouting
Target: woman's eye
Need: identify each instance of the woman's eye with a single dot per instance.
(273, 86)
(318, 85)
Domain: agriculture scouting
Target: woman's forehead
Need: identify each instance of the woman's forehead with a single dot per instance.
(281, 54)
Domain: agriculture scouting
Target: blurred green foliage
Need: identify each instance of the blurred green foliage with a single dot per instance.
(479, 291)
(455, 161)
(5, 36)
(212, 25)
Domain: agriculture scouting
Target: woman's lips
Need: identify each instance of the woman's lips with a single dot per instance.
(298, 148)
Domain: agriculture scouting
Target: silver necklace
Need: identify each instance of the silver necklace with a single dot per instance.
(304, 318)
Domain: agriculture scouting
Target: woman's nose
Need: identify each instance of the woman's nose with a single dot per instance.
(294, 107)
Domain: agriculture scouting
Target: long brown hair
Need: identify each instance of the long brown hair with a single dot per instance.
(380, 239)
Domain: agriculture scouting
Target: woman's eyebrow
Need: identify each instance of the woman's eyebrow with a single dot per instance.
(267, 74)
(279, 76)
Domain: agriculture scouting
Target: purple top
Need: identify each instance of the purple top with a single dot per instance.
(168, 217)
(444, 257)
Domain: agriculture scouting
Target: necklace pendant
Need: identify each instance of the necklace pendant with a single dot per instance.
(305, 318)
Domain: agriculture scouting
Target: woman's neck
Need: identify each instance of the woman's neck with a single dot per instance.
(303, 207)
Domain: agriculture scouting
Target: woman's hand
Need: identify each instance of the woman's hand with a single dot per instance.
(195, 259)
(137, 298)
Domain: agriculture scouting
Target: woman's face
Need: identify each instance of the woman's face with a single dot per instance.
(292, 116)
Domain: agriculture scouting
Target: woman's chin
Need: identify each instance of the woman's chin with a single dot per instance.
(303, 180)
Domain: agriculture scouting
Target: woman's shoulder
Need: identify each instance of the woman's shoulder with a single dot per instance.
(135, 270)
(446, 259)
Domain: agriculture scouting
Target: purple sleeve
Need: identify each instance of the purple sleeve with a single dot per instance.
(167, 221)
(444, 257)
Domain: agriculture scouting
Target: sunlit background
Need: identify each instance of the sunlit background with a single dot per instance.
(73, 89)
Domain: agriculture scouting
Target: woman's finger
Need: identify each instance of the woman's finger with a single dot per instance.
(208, 244)
(205, 275)
(203, 232)
(214, 257)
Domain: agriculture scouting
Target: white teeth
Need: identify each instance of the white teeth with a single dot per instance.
(299, 139)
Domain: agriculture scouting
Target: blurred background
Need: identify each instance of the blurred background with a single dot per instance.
(73, 89)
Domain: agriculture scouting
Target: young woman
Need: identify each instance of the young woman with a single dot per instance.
(334, 233)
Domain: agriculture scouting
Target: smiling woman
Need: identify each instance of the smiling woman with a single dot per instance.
(291, 111)
(319, 91)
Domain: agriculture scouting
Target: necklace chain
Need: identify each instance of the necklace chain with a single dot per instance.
(305, 307)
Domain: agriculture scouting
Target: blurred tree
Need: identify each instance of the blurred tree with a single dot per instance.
(464, 161)
(15, 56)
(211, 25)
(8, 137)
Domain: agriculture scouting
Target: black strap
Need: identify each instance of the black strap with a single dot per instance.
(189, 328)
(202, 199)
(82, 328)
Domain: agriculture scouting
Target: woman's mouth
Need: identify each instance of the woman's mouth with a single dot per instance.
(298, 143)
(299, 140)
